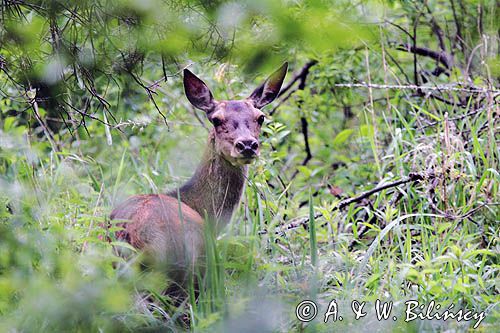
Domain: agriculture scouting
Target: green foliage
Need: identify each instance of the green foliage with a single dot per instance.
(83, 85)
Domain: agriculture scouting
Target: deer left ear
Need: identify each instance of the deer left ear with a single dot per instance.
(269, 90)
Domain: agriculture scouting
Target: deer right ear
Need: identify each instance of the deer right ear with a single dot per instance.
(269, 90)
(197, 92)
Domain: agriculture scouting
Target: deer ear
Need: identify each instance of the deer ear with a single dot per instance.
(197, 92)
(269, 90)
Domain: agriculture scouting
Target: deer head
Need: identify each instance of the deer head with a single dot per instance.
(236, 123)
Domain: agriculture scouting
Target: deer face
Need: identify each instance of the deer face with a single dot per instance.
(236, 123)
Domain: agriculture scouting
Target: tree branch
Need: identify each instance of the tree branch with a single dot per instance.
(436, 29)
(300, 77)
(440, 56)
(412, 177)
(305, 132)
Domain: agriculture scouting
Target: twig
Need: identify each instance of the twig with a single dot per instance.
(414, 46)
(436, 29)
(305, 133)
(415, 87)
(468, 114)
(406, 32)
(412, 177)
(85, 114)
(300, 77)
(457, 20)
(442, 99)
(150, 93)
(469, 62)
(439, 56)
(407, 79)
(282, 101)
(34, 105)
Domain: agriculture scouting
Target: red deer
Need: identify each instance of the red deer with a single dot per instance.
(171, 232)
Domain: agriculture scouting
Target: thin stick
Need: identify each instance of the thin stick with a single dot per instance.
(416, 87)
(440, 56)
(412, 177)
(469, 114)
(300, 77)
(34, 105)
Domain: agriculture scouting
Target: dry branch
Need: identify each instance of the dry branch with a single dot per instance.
(412, 177)
(440, 56)
(300, 77)
(438, 88)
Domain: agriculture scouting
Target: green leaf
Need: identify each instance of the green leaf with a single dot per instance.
(9, 121)
(342, 137)
(304, 170)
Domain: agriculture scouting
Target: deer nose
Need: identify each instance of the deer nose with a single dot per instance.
(247, 148)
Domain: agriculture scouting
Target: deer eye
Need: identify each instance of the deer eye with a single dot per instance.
(216, 121)
(260, 120)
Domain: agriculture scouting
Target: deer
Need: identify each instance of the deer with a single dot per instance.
(169, 229)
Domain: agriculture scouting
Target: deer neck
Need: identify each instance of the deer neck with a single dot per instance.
(215, 189)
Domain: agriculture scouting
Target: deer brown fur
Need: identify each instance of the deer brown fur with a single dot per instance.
(171, 232)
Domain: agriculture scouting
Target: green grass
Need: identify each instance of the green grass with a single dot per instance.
(436, 239)
(414, 248)
(431, 240)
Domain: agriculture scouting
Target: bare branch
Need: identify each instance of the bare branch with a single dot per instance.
(440, 56)
(475, 90)
(300, 77)
(412, 177)
(436, 28)
(149, 90)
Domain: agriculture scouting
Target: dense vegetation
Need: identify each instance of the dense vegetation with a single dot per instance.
(378, 179)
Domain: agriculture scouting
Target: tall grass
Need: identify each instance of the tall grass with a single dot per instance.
(436, 239)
